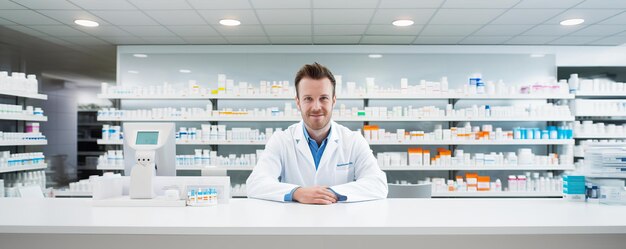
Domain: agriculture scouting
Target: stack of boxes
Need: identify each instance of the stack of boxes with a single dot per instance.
(574, 188)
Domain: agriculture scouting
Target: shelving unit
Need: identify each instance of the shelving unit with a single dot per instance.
(488, 194)
(19, 146)
(89, 130)
(452, 99)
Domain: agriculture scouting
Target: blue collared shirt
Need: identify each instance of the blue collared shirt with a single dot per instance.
(316, 151)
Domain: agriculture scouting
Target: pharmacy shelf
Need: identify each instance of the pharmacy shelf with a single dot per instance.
(423, 142)
(24, 94)
(23, 117)
(497, 194)
(613, 114)
(357, 119)
(480, 142)
(67, 193)
(491, 167)
(358, 96)
(615, 175)
(23, 168)
(120, 142)
(23, 142)
(183, 168)
(603, 95)
(599, 136)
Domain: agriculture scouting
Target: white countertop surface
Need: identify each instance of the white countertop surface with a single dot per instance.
(257, 217)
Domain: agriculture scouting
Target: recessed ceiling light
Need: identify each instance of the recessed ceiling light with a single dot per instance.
(86, 23)
(537, 55)
(402, 23)
(375, 56)
(140, 55)
(133, 71)
(571, 22)
(185, 71)
(230, 22)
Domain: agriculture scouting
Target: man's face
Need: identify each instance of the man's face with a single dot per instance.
(315, 101)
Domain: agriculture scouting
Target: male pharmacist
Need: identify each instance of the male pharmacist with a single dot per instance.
(317, 161)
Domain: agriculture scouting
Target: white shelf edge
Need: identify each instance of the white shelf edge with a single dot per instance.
(477, 168)
(182, 168)
(591, 136)
(366, 96)
(121, 142)
(497, 194)
(23, 117)
(24, 94)
(24, 168)
(591, 94)
(67, 193)
(23, 143)
(279, 119)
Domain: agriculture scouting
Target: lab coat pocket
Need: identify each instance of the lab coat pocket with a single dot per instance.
(341, 173)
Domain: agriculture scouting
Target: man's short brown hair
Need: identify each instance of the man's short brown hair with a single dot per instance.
(314, 71)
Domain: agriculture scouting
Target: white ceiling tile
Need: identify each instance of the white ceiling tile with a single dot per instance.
(401, 4)
(449, 30)
(479, 4)
(600, 30)
(105, 31)
(612, 40)
(163, 40)
(288, 30)
(591, 16)
(280, 4)
(339, 29)
(58, 30)
(59, 42)
(83, 40)
(552, 30)
(124, 17)
(205, 40)
(8, 5)
(393, 30)
(485, 40)
(502, 30)
(176, 17)
(147, 30)
(104, 5)
(526, 16)
(200, 30)
(618, 19)
(603, 4)
(243, 30)
(27, 30)
(530, 40)
(347, 4)
(213, 17)
(294, 16)
(220, 4)
(387, 39)
(26, 17)
(342, 16)
(123, 40)
(336, 39)
(68, 16)
(438, 39)
(248, 39)
(543, 4)
(574, 40)
(161, 4)
(465, 16)
(47, 4)
(291, 39)
(387, 16)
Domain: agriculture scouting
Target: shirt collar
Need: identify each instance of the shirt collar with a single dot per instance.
(308, 138)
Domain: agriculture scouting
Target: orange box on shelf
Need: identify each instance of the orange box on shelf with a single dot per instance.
(484, 183)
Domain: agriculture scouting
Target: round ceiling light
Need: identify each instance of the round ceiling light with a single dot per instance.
(230, 22)
(571, 22)
(402, 23)
(86, 23)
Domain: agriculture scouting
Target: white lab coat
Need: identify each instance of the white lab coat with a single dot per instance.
(347, 166)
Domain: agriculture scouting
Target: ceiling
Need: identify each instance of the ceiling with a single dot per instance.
(501, 22)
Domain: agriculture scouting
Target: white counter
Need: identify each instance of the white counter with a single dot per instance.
(248, 217)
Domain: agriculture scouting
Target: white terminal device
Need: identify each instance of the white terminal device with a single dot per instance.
(154, 149)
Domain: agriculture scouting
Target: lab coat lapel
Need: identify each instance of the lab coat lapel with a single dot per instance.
(331, 146)
(303, 146)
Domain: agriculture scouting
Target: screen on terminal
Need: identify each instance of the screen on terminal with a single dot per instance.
(147, 137)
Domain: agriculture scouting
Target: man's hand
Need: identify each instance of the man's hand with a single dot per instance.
(314, 195)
